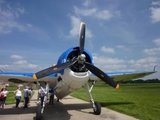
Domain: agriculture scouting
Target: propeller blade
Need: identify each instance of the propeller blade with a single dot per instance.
(82, 37)
(103, 76)
(53, 69)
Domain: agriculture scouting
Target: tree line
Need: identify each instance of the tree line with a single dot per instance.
(142, 81)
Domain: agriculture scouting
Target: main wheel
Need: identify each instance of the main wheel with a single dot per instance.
(38, 113)
(97, 108)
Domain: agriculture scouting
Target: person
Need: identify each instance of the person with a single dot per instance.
(51, 100)
(41, 94)
(18, 95)
(26, 97)
(1, 98)
(30, 94)
(5, 93)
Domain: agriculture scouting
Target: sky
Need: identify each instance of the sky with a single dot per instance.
(122, 35)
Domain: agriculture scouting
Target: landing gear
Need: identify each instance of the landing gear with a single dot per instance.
(96, 106)
(40, 107)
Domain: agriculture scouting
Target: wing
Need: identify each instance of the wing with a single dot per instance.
(19, 77)
(119, 76)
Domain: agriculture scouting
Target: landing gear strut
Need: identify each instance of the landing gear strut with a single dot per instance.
(96, 106)
(40, 108)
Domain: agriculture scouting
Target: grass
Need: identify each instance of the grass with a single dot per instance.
(139, 100)
(11, 96)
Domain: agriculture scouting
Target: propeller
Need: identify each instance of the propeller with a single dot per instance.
(103, 76)
(82, 37)
(77, 61)
(54, 69)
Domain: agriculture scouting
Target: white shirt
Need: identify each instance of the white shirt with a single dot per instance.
(18, 93)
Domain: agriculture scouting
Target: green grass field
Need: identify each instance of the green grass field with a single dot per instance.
(139, 100)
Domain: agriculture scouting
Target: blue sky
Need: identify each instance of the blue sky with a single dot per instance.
(122, 35)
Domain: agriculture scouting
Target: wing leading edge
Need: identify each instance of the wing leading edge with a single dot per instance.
(119, 76)
(20, 77)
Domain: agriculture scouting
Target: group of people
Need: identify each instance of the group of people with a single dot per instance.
(18, 95)
(27, 95)
(3, 96)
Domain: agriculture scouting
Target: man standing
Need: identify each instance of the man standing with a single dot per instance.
(51, 100)
(41, 95)
(26, 97)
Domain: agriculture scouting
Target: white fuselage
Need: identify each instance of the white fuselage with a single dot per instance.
(70, 82)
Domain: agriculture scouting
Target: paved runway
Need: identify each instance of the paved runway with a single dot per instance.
(69, 108)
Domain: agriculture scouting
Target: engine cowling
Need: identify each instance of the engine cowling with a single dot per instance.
(72, 53)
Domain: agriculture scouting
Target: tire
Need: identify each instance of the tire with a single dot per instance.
(97, 109)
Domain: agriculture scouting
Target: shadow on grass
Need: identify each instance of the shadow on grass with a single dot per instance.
(105, 104)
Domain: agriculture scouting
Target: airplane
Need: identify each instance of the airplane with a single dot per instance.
(75, 68)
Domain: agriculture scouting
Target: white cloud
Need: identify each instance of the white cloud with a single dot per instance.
(75, 22)
(75, 26)
(107, 49)
(85, 11)
(104, 15)
(144, 63)
(122, 47)
(110, 64)
(157, 41)
(116, 64)
(86, 3)
(19, 63)
(9, 18)
(96, 13)
(152, 51)
(155, 12)
(156, 3)
(17, 57)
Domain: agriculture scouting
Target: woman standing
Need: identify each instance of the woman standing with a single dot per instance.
(1, 98)
(5, 93)
(18, 95)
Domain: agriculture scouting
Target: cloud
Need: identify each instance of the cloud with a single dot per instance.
(16, 57)
(110, 64)
(9, 18)
(86, 3)
(95, 13)
(85, 12)
(122, 47)
(75, 22)
(157, 41)
(107, 49)
(116, 64)
(155, 12)
(19, 63)
(145, 63)
(153, 51)
(104, 15)
(156, 3)
(75, 25)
